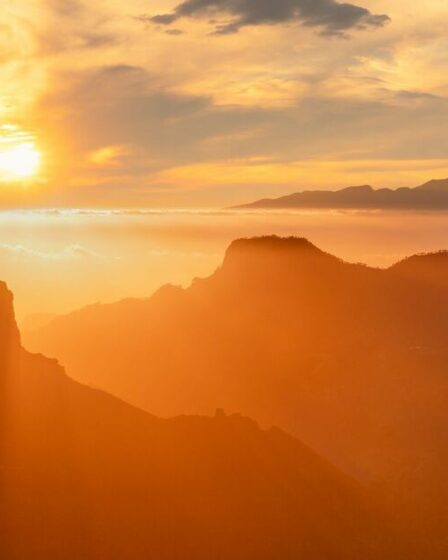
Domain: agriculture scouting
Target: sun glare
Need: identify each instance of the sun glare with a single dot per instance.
(19, 156)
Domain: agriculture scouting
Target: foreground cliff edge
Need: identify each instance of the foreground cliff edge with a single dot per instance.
(83, 475)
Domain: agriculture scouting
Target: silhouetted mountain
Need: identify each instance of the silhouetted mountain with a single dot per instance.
(350, 359)
(83, 475)
(430, 196)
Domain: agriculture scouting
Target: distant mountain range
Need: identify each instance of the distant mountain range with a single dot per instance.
(433, 195)
(84, 475)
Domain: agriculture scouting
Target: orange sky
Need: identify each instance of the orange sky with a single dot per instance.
(128, 111)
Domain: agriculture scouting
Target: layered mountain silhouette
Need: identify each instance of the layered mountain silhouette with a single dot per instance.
(84, 475)
(350, 359)
(432, 195)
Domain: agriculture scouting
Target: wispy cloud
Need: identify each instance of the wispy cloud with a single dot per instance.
(68, 253)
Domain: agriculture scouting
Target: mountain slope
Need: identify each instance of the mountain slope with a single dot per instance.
(350, 359)
(432, 195)
(84, 475)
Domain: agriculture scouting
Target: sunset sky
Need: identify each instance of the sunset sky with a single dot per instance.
(215, 102)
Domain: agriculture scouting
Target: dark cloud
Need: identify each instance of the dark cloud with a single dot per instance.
(332, 17)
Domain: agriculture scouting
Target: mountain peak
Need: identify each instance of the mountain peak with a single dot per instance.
(7, 318)
(271, 244)
(261, 251)
(9, 333)
(4, 290)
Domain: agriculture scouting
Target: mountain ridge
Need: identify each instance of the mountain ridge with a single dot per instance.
(267, 247)
(348, 358)
(85, 475)
(432, 195)
(293, 246)
(323, 308)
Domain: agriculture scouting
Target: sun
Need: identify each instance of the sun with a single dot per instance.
(20, 161)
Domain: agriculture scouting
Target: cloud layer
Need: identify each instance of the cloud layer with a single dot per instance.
(130, 115)
(333, 18)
